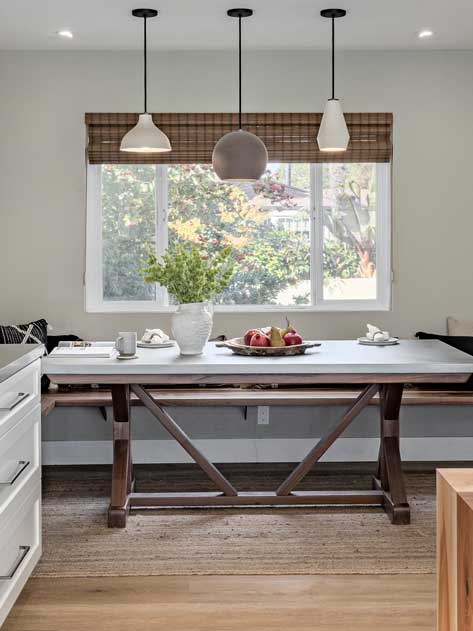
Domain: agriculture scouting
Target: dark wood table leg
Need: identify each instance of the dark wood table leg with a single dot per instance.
(122, 472)
(130, 487)
(390, 477)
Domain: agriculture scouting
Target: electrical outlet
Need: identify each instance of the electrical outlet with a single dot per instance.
(262, 415)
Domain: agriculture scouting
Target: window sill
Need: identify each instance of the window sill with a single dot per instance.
(328, 307)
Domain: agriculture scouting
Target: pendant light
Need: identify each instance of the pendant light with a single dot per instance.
(333, 132)
(145, 137)
(239, 156)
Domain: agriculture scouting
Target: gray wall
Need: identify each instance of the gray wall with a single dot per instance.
(221, 423)
(430, 433)
(42, 194)
(42, 179)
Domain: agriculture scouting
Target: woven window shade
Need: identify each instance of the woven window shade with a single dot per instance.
(288, 137)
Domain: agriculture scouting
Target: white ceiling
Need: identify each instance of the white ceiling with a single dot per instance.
(189, 24)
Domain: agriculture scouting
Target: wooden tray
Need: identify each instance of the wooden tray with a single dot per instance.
(239, 348)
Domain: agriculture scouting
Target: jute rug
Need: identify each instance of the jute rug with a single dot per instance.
(273, 540)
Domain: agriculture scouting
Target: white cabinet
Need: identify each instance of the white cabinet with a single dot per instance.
(20, 482)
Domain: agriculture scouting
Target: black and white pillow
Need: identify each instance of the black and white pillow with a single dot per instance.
(31, 333)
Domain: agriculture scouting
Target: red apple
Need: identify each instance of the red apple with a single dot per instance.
(292, 338)
(260, 339)
(249, 334)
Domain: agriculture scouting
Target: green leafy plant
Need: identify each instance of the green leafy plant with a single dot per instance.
(189, 274)
(340, 261)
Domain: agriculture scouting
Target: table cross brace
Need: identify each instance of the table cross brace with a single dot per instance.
(327, 441)
(183, 439)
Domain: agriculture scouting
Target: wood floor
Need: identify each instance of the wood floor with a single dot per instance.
(229, 603)
(224, 603)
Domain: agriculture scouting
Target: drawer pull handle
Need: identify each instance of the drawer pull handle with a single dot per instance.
(22, 552)
(10, 401)
(21, 396)
(22, 465)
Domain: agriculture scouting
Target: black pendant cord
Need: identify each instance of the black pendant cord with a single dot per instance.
(333, 14)
(144, 14)
(239, 72)
(239, 13)
(145, 67)
(333, 58)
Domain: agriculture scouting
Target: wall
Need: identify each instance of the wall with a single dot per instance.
(82, 436)
(42, 178)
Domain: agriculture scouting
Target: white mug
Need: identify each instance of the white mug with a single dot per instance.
(126, 343)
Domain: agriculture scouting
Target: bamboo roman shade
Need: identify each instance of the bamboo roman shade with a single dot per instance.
(288, 137)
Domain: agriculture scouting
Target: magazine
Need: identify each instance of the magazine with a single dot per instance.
(90, 350)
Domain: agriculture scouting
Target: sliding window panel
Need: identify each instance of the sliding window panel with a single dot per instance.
(122, 228)
(128, 229)
(353, 247)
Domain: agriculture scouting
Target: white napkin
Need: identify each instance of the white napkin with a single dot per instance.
(375, 334)
(154, 336)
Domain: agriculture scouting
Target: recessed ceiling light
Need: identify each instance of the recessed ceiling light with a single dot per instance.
(65, 33)
(424, 33)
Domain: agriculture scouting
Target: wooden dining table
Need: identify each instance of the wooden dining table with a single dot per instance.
(382, 371)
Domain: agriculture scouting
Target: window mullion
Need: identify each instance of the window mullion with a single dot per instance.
(383, 235)
(161, 209)
(317, 241)
(161, 195)
(313, 232)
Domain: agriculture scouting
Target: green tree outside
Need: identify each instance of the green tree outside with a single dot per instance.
(266, 225)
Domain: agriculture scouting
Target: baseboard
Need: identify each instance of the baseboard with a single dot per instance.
(258, 450)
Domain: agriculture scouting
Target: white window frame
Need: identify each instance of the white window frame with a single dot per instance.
(383, 246)
(93, 279)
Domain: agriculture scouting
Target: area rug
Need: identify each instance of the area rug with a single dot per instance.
(306, 540)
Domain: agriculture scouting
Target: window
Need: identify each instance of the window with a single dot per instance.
(306, 236)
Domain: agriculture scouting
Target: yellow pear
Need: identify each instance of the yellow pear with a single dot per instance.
(289, 328)
(276, 337)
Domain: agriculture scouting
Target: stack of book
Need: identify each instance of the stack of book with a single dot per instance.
(89, 350)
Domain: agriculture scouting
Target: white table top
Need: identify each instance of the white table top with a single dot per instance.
(333, 357)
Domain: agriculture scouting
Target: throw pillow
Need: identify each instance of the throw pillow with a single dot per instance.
(31, 333)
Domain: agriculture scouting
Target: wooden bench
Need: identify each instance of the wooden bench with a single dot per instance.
(246, 397)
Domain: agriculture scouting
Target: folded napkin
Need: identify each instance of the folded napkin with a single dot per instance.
(375, 334)
(154, 336)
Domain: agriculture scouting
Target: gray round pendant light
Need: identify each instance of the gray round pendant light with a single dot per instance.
(333, 132)
(239, 156)
(145, 137)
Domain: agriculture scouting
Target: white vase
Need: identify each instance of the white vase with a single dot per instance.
(191, 326)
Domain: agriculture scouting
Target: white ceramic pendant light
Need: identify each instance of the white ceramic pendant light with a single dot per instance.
(239, 156)
(333, 132)
(145, 137)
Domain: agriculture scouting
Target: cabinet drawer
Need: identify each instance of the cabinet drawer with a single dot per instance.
(20, 548)
(27, 382)
(20, 456)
